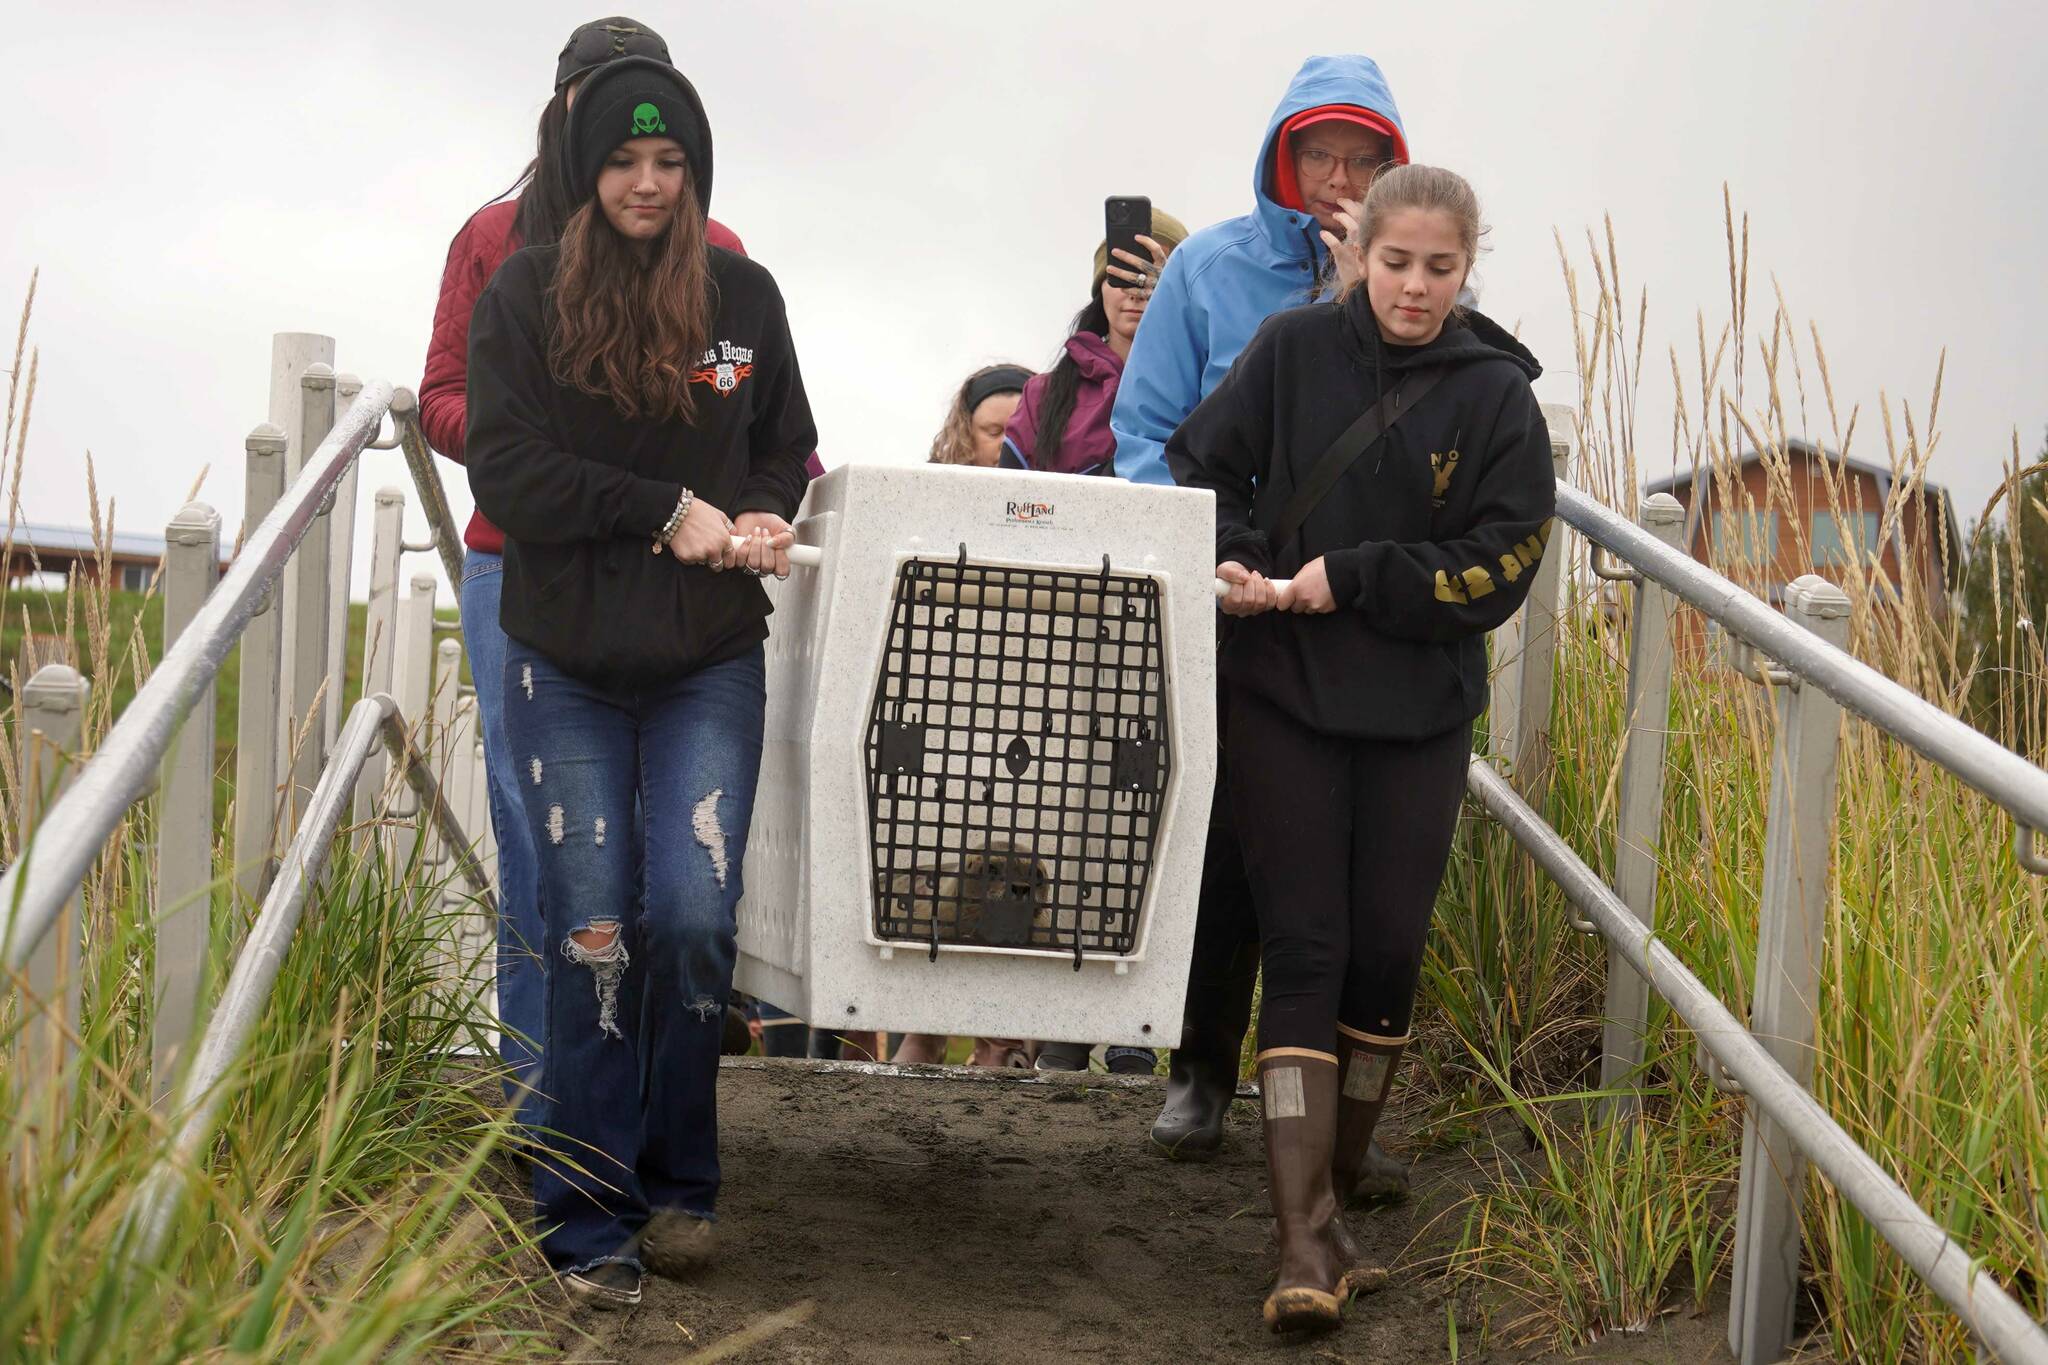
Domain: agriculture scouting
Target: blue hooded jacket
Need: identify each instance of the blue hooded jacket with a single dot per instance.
(1227, 279)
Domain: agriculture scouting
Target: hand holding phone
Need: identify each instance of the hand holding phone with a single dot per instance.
(1124, 219)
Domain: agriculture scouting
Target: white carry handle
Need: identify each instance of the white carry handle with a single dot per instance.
(800, 556)
(1280, 585)
(811, 556)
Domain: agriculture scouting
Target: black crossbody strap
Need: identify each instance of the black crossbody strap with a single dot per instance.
(1358, 438)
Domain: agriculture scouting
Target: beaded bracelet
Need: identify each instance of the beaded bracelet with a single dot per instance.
(675, 521)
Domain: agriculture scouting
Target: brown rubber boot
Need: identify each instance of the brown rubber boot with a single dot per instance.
(1382, 1179)
(1365, 1077)
(1298, 1092)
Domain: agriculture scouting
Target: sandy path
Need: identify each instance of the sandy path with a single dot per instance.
(927, 1220)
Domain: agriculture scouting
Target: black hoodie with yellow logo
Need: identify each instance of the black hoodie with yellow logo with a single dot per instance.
(1429, 539)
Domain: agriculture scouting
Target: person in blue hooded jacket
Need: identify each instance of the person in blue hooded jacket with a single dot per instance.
(1333, 130)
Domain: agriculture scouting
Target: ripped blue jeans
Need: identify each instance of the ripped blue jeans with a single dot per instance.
(521, 977)
(631, 1109)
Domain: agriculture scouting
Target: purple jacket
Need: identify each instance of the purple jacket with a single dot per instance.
(1088, 447)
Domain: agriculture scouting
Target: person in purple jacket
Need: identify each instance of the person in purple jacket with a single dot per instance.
(1062, 424)
(1062, 427)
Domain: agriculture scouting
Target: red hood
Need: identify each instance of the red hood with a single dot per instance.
(1286, 187)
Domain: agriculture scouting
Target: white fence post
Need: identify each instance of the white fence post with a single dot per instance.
(291, 355)
(412, 689)
(476, 931)
(305, 722)
(52, 714)
(257, 704)
(433, 741)
(184, 848)
(1798, 848)
(1528, 647)
(341, 556)
(1638, 829)
(463, 776)
(380, 630)
(478, 818)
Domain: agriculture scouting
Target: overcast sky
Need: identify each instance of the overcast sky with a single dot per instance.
(926, 182)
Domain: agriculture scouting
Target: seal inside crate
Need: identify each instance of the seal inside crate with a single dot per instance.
(1017, 757)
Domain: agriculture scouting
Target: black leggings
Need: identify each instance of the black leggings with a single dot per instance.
(1345, 842)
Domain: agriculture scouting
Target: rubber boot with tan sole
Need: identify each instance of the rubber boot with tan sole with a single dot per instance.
(1298, 1093)
(1365, 1076)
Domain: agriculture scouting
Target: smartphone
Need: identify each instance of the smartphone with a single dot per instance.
(1124, 216)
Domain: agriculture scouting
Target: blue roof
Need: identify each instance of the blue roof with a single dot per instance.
(78, 541)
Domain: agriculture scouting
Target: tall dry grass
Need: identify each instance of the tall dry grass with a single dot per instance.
(346, 1210)
(1933, 1036)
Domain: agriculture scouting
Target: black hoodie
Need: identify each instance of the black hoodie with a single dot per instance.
(581, 492)
(1428, 539)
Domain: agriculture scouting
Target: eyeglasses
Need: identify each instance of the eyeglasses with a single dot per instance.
(1316, 161)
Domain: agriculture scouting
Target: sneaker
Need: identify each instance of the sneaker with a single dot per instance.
(615, 1284)
(1134, 1063)
(677, 1245)
(1062, 1057)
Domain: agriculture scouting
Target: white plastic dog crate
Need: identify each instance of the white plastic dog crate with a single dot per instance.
(991, 740)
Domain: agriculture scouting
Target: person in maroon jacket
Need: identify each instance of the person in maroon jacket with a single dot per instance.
(532, 214)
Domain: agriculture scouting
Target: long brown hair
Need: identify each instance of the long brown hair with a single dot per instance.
(545, 199)
(627, 329)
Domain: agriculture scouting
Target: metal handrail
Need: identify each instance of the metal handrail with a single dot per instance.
(234, 1019)
(56, 858)
(405, 418)
(1764, 1059)
(1976, 758)
(1996, 1319)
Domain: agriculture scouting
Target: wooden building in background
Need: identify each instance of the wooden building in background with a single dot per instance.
(62, 551)
(1804, 534)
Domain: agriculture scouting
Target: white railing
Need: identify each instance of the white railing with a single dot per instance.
(1768, 1058)
(299, 768)
(284, 601)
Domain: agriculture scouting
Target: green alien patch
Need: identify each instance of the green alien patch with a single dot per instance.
(647, 119)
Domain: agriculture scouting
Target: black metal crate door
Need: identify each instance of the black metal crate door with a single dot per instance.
(1017, 757)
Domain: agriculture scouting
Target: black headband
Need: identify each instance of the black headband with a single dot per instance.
(1001, 379)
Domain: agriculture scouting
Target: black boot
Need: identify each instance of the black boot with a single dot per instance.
(1223, 971)
(1201, 1078)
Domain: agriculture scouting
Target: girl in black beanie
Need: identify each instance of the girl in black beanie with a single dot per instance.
(637, 426)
